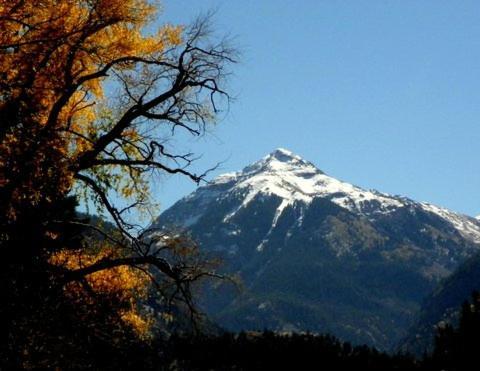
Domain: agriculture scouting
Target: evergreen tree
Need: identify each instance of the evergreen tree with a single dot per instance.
(458, 348)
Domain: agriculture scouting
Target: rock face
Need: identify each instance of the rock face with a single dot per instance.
(315, 253)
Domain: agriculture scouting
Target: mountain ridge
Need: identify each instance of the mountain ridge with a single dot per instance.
(316, 183)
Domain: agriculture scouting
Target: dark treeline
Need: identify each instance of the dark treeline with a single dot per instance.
(455, 349)
(273, 351)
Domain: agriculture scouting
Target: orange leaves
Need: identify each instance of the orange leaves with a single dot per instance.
(122, 285)
(140, 324)
(133, 11)
(121, 281)
(48, 45)
(51, 52)
(171, 34)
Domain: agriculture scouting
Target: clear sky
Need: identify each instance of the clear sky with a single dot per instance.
(381, 94)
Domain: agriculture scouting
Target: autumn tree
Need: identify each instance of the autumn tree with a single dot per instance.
(89, 100)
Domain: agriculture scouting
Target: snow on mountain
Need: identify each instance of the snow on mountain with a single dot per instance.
(468, 227)
(295, 180)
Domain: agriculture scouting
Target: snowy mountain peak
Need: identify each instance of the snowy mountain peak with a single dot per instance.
(280, 161)
(297, 183)
(295, 180)
(283, 155)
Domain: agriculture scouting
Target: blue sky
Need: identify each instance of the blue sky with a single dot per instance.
(381, 94)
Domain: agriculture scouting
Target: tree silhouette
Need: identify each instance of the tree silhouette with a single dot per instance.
(89, 102)
(457, 348)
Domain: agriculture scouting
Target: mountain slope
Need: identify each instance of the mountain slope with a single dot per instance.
(443, 306)
(319, 254)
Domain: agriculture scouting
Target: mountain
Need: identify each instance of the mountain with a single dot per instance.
(443, 306)
(315, 253)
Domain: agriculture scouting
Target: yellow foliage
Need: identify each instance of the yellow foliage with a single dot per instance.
(123, 285)
(140, 324)
(62, 133)
(47, 48)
